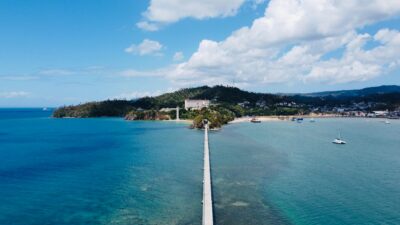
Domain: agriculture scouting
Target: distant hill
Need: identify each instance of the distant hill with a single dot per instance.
(222, 94)
(385, 89)
(242, 102)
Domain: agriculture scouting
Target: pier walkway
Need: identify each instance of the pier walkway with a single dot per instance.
(208, 218)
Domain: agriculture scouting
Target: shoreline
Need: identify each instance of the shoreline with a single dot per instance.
(288, 118)
(177, 121)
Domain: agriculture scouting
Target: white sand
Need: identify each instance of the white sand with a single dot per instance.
(281, 118)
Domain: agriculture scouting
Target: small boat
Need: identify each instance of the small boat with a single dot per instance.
(299, 120)
(255, 120)
(312, 120)
(44, 109)
(293, 119)
(339, 141)
(387, 122)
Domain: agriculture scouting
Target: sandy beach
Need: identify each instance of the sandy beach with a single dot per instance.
(282, 118)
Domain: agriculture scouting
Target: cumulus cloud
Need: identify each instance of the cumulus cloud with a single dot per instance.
(146, 47)
(358, 64)
(14, 94)
(290, 41)
(162, 12)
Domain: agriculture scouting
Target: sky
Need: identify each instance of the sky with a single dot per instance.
(62, 52)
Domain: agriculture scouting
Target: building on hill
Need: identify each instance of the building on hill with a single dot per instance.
(196, 104)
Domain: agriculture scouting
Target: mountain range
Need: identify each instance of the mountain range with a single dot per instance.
(385, 89)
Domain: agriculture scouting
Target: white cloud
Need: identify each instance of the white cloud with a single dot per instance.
(135, 73)
(358, 64)
(162, 12)
(56, 72)
(178, 56)
(146, 47)
(53, 73)
(19, 78)
(14, 94)
(310, 29)
(256, 3)
(148, 26)
(90, 70)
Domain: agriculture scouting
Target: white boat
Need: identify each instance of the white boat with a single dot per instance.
(387, 122)
(339, 141)
(312, 120)
(44, 109)
(255, 120)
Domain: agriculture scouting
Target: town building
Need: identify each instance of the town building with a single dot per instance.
(381, 113)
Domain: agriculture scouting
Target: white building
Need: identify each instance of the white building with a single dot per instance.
(196, 104)
(381, 113)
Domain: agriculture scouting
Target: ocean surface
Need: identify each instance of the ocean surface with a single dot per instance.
(111, 171)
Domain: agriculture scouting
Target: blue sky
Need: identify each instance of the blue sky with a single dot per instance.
(66, 52)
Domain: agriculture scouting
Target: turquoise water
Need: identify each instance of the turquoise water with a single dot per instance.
(111, 171)
(97, 171)
(290, 173)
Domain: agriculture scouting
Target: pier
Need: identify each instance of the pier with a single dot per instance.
(208, 218)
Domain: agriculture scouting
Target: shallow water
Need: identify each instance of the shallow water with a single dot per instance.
(111, 171)
(290, 173)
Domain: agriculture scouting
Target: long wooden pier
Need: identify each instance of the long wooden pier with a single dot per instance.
(208, 218)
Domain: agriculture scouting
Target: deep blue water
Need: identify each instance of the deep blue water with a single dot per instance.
(111, 171)
(97, 171)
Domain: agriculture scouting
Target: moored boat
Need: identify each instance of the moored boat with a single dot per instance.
(339, 141)
(255, 120)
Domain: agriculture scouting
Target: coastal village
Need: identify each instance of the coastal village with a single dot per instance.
(361, 109)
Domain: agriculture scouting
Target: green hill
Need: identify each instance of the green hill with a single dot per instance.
(236, 102)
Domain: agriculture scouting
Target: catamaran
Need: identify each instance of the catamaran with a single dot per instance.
(338, 141)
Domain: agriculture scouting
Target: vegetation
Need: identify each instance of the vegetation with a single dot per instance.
(216, 117)
(146, 115)
(231, 102)
(115, 108)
